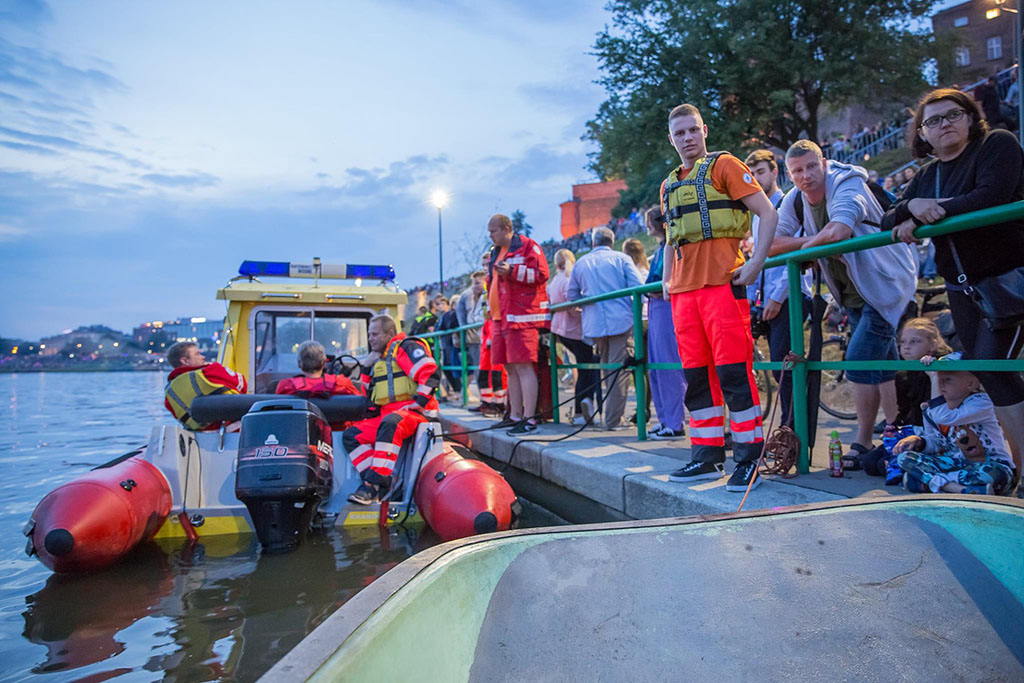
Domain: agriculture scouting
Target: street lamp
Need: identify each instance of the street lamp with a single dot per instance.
(439, 198)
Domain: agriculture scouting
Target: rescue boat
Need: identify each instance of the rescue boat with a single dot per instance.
(270, 469)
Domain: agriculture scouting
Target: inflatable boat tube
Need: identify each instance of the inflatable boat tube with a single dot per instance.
(91, 522)
(231, 407)
(459, 497)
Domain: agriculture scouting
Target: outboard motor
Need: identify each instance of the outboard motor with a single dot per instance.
(285, 465)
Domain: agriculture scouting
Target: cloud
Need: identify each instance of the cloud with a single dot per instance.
(29, 149)
(189, 181)
(541, 162)
(69, 145)
(8, 233)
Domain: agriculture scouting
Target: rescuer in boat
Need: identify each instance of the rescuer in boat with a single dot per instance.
(192, 376)
(314, 381)
(400, 377)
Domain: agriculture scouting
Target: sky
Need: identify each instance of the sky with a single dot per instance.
(147, 148)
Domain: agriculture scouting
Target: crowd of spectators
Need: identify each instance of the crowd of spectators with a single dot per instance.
(944, 430)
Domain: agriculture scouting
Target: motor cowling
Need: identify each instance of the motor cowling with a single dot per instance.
(284, 469)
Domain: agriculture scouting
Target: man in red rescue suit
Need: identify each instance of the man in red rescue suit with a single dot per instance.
(707, 201)
(518, 303)
(192, 376)
(401, 378)
(314, 381)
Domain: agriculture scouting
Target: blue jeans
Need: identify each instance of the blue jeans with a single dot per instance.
(873, 339)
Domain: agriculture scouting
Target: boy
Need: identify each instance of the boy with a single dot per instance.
(963, 449)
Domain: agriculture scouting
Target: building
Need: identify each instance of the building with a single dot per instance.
(984, 33)
(158, 335)
(591, 206)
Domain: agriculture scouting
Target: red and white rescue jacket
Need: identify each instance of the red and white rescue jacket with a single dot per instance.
(523, 294)
(325, 385)
(413, 378)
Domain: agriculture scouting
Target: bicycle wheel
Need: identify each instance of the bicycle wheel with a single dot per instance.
(837, 398)
(765, 384)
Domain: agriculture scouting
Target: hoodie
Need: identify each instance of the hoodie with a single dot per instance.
(886, 277)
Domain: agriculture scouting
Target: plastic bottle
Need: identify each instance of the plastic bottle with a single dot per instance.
(835, 455)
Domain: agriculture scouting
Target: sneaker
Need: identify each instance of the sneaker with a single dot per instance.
(979, 490)
(741, 476)
(617, 428)
(478, 408)
(364, 495)
(578, 421)
(913, 484)
(666, 434)
(523, 428)
(588, 409)
(697, 470)
(506, 423)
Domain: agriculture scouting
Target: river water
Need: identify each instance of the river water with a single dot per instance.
(219, 610)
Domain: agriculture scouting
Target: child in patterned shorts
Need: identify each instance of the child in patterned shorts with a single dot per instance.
(963, 449)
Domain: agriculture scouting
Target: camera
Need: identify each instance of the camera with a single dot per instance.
(759, 327)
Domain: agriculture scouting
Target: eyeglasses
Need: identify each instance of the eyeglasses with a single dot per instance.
(953, 115)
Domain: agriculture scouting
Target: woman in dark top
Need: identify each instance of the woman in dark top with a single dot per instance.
(973, 168)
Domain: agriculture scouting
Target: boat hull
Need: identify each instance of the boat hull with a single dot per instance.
(93, 521)
(459, 497)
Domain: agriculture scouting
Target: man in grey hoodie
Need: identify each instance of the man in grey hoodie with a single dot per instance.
(873, 285)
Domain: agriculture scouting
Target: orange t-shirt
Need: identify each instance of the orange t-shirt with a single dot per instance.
(709, 263)
(492, 288)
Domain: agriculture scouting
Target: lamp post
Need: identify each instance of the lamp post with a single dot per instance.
(439, 198)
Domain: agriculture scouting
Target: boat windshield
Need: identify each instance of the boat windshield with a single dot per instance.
(277, 336)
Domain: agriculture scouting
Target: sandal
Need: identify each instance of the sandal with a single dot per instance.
(851, 459)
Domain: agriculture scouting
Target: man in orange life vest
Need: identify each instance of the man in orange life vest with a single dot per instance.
(707, 201)
(400, 377)
(192, 376)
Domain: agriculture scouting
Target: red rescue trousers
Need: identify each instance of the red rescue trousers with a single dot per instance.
(373, 444)
(712, 327)
(491, 378)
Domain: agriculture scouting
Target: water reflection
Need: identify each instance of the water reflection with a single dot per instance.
(215, 609)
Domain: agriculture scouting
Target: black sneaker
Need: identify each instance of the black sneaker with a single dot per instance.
(697, 470)
(523, 428)
(741, 477)
(666, 434)
(505, 423)
(364, 495)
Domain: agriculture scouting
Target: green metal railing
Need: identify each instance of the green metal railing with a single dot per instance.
(791, 261)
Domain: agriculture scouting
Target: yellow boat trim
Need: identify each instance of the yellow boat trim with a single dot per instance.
(212, 526)
(365, 517)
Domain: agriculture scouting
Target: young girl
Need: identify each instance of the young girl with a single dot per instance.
(963, 449)
(919, 340)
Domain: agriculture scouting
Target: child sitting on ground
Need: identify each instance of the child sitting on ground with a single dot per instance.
(919, 340)
(963, 449)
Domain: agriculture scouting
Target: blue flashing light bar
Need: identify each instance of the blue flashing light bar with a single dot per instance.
(309, 270)
(371, 272)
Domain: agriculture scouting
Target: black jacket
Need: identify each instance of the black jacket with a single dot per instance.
(989, 172)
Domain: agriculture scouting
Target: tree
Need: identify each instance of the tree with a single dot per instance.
(519, 224)
(760, 71)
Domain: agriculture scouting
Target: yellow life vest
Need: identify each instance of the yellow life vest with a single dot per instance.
(695, 210)
(390, 383)
(181, 390)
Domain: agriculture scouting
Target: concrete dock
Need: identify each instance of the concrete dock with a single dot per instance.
(612, 475)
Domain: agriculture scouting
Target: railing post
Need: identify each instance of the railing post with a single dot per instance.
(640, 369)
(556, 416)
(465, 367)
(799, 370)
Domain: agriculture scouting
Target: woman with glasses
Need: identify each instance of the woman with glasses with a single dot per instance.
(971, 168)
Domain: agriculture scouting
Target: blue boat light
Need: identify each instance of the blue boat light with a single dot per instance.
(371, 272)
(256, 268)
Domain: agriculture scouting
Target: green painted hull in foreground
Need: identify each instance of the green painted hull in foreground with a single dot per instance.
(926, 588)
